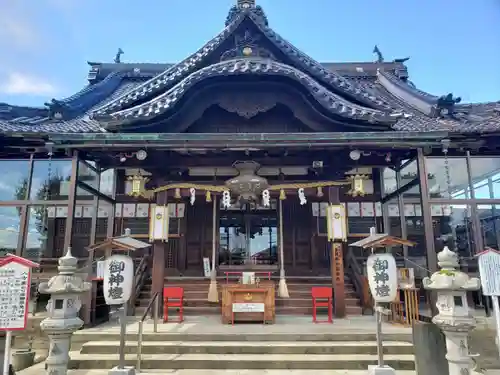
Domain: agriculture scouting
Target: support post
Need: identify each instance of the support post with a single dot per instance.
(428, 227)
(337, 263)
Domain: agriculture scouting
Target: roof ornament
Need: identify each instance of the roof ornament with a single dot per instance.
(376, 51)
(118, 56)
(445, 105)
(57, 109)
(402, 61)
(246, 7)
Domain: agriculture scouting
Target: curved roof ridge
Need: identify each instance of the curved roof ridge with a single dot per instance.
(317, 70)
(257, 66)
(417, 99)
(172, 74)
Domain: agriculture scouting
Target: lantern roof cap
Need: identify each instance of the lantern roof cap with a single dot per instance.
(378, 240)
(124, 243)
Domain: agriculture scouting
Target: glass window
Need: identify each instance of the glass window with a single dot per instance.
(390, 185)
(88, 175)
(107, 185)
(9, 229)
(485, 177)
(408, 173)
(453, 228)
(40, 228)
(489, 218)
(58, 172)
(439, 185)
(14, 187)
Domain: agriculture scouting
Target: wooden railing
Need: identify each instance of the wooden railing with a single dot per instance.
(360, 282)
(140, 278)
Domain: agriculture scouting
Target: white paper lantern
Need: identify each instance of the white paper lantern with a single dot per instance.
(382, 277)
(118, 279)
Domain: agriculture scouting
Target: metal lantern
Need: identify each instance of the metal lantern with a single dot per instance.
(138, 185)
(358, 185)
(248, 186)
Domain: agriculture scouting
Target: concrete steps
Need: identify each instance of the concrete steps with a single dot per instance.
(224, 351)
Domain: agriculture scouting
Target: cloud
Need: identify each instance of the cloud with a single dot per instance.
(18, 30)
(19, 84)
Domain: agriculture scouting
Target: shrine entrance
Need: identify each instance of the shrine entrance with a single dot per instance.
(248, 235)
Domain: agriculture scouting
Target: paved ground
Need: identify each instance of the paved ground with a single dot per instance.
(284, 324)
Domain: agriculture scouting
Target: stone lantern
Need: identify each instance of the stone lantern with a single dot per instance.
(66, 290)
(454, 317)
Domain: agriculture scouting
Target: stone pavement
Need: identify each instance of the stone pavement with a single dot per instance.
(283, 325)
(39, 370)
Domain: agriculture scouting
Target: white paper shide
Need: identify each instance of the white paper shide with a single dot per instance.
(382, 277)
(118, 279)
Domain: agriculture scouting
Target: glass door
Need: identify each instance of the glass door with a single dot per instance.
(248, 237)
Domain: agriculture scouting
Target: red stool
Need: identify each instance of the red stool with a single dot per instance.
(322, 297)
(173, 297)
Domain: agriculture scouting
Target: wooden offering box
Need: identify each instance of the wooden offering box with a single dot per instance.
(248, 303)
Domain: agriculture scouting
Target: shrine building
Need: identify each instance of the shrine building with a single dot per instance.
(251, 145)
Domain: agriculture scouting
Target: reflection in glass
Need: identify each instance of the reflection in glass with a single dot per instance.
(390, 183)
(9, 229)
(50, 179)
(453, 228)
(88, 175)
(489, 218)
(107, 182)
(37, 238)
(485, 174)
(14, 187)
(248, 237)
(408, 173)
(439, 186)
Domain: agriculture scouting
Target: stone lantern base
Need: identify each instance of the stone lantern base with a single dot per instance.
(385, 370)
(122, 371)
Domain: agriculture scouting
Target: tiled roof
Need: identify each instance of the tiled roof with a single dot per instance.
(256, 67)
(381, 88)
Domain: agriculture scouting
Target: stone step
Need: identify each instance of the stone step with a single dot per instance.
(37, 370)
(285, 310)
(243, 361)
(84, 336)
(245, 347)
(295, 302)
(201, 294)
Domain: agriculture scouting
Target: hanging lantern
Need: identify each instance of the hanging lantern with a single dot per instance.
(138, 185)
(358, 185)
(282, 195)
(319, 192)
(177, 194)
(247, 185)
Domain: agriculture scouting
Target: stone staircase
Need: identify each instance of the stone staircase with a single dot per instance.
(299, 288)
(269, 351)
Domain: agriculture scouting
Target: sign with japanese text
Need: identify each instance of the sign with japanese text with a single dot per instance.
(382, 276)
(15, 280)
(489, 272)
(118, 279)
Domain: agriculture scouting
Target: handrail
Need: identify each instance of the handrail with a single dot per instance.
(153, 301)
(139, 279)
(356, 274)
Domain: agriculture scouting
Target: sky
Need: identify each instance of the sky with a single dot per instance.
(454, 46)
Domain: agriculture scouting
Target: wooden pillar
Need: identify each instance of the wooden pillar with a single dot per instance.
(432, 265)
(337, 263)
